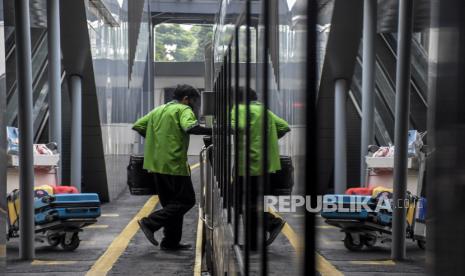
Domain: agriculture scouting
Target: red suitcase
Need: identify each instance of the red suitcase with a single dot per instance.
(65, 190)
(360, 191)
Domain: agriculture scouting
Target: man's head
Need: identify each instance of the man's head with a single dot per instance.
(242, 94)
(186, 94)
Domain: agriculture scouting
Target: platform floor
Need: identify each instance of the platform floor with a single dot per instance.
(332, 258)
(138, 258)
(116, 245)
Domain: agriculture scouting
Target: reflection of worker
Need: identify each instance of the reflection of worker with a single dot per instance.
(276, 129)
(166, 130)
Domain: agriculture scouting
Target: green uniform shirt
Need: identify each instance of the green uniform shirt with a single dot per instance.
(277, 127)
(166, 139)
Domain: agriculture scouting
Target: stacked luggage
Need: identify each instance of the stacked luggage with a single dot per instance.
(365, 219)
(62, 207)
(351, 207)
(59, 217)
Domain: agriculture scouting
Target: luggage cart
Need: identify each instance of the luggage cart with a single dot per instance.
(54, 229)
(373, 227)
(366, 232)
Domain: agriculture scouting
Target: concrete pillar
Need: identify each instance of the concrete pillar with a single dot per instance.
(54, 74)
(370, 12)
(76, 131)
(340, 137)
(26, 156)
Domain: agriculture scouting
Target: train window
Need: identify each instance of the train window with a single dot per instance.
(259, 83)
(235, 125)
(228, 107)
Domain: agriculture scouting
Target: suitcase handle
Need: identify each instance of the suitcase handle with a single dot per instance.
(80, 210)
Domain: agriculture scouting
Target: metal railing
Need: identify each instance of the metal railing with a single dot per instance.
(206, 187)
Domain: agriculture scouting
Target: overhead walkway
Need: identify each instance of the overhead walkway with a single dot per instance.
(40, 85)
(386, 47)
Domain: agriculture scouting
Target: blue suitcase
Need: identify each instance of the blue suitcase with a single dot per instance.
(66, 206)
(351, 202)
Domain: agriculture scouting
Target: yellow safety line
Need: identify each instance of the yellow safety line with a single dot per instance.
(198, 248)
(103, 265)
(324, 267)
(41, 262)
(198, 243)
(2, 251)
(290, 234)
(194, 166)
(293, 238)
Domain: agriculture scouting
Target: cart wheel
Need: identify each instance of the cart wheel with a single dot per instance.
(350, 244)
(72, 244)
(53, 239)
(369, 240)
(421, 244)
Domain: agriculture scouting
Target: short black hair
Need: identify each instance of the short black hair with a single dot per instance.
(185, 90)
(242, 93)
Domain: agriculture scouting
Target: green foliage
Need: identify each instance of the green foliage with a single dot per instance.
(175, 42)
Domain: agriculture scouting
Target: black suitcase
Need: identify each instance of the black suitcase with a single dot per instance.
(282, 181)
(140, 181)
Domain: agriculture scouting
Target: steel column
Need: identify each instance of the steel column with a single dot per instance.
(76, 131)
(54, 74)
(401, 128)
(311, 118)
(3, 171)
(340, 137)
(3, 160)
(26, 164)
(445, 219)
(370, 12)
(151, 72)
(151, 63)
(208, 67)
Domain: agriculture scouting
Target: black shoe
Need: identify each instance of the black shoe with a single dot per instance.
(143, 224)
(179, 246)
(275, 229)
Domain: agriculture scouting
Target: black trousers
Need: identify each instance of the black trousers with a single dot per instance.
(177, 196)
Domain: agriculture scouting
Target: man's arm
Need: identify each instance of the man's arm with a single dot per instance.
(190, 124)
(199, 130)
(141, 125)
(282, 126)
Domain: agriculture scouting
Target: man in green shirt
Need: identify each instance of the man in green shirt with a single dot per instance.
(276, 129)
(166, 130)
